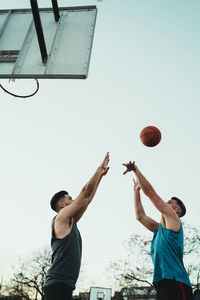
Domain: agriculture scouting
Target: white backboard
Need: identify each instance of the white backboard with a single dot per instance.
(68, 42)
(100, 293)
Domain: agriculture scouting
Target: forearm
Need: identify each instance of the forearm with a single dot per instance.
(90, 188)
(143, 182)
(150, 192)
(139, 210)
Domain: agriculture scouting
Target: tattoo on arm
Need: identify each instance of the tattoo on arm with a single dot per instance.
(89, 189)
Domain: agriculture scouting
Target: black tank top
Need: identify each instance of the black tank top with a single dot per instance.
(66, 258)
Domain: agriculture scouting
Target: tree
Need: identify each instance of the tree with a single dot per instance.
(13, 289)
(28, 277)
(191, 253)
(137, 267)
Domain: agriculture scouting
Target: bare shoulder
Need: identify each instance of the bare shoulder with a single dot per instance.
(62, 227)
(63, 215)
(171, 221)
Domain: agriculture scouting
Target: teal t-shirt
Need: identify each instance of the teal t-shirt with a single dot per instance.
(167, 255)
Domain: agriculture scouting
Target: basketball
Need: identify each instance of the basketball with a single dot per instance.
(150, 136)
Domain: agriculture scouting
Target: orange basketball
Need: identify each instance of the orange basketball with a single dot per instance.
(150, 136)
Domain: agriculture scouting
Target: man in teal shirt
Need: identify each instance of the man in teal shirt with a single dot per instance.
(170, 277)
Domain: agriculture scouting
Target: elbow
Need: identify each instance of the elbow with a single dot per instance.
(139, 217)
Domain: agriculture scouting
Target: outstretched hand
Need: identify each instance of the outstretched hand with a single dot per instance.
(130, 166)
(104, 164)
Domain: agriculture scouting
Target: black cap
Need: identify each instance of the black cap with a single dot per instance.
(56, 198)
(181, 204)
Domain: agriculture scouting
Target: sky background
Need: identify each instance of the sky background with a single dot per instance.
(144, 70)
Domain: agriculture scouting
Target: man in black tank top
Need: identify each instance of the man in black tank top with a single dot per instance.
(66, 241)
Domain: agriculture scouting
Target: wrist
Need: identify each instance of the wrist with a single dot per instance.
(101, 169)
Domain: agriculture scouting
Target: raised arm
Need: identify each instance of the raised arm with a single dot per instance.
(170, 216)
(89, 190)
(139, 210)
(79, 205)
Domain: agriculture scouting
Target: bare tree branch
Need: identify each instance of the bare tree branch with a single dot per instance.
(137, 267)
(28, 277)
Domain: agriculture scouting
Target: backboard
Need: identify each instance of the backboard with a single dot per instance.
(100, 293)
(68, 43)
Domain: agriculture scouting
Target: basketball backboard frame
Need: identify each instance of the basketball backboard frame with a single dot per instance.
(69, 43)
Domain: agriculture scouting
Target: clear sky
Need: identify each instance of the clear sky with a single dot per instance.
(144, 70)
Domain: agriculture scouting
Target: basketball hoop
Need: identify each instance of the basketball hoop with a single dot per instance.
(22, 96)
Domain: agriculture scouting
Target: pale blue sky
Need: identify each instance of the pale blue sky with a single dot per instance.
(144, 70)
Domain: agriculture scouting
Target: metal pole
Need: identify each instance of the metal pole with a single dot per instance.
(55, 10)
(39, 30)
